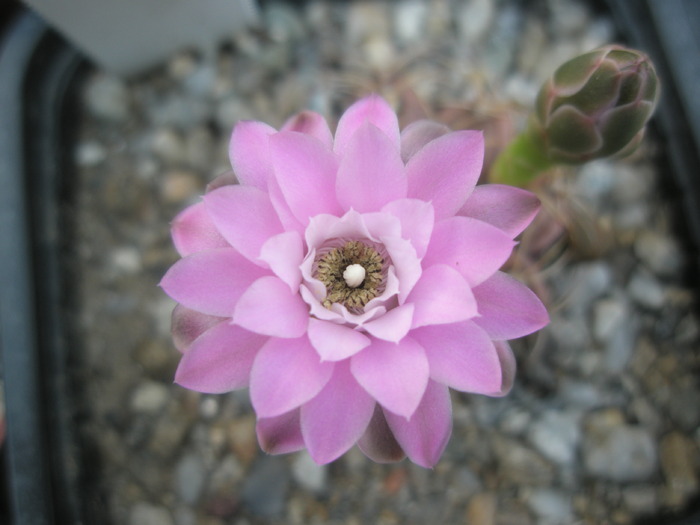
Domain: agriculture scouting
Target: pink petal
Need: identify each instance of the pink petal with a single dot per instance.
(475, 249)
(442, 296)
(337, 417)
(280, 434)
(508, 368)
(249, 153)
(244, 216)
(211, 282)
(194, 231)
(461, 356)
(425, 436)
(394, 374)
(187, 325)
(393, 325)
(417, 134)
(284, 212)
(378, 442)
(417, 219)
(335, 342)
(506, 207)
(508, 308)
(310, 123)
(305, 171)
(269, 307)
(219, 360)
(406, 264)
(371, 173)
(284, 253)
(445, 171)
(372, 109)
(286, 374)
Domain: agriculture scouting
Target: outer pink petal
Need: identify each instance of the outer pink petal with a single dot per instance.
(506, 207)
(194, 231)
(461, 356)
(249, 153)
(372, 109)
(219, 360)
(425, 436)
(244, 216)
(394, 374)
(393, 325)
(310, 123)
(445, 171)
(335, 342)
(442, 296)
(508, 308)
(508, 368)
(305, 171)
(337, 417)
(417, 219)
(286, 374)
(284, 253)
(417, 134)
(371, 173)
(187, 325)
(269, 307)
(378, 442)
(211, 282)
(475, 249)
(280, 434)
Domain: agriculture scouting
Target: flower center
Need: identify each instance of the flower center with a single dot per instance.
(352, 274)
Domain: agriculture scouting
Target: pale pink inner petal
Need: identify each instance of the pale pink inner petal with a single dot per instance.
(269, 307)
(508, 309)
(417, 134)
(336, 417)
(394, 374)
(461, 356)
(284, 253)
(211, 282)
(286, 374)
(228, 178)
(425, 436)
(441, 296)
(219, 360)
(193, 231)
(310, 123)
(371, 173)
(187, 325)
(244, 216)
(372, 109)
(249, 153)
(393, 325)
(475, 249)
(406, 264)
(445, 171)
(305, 171)
(417, 219)
(378, 442)
(506, 207)
(280, 434)
(335, 342)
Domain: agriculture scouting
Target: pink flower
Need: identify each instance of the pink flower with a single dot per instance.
(350, 281)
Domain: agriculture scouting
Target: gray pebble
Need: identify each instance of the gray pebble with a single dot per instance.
(619, 452)
(556, 435)
(266, 487)
(552, 506)
(148, 514)
(190, 474)
(107, 97)
(660, 253)
(308, 474)
(149, 397)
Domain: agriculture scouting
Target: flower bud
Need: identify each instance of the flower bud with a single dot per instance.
(596, 105)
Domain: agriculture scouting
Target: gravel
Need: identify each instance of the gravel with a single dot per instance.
(601, 425)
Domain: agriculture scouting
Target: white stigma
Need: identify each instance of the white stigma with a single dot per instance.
(354, 274)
